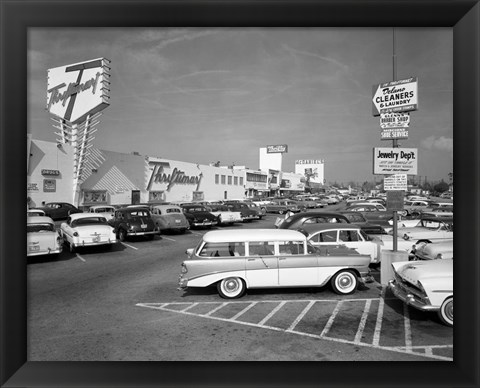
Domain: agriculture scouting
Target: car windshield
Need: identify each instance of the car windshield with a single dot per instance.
(355, 217)
(173, 210)
(89, 221)
(35, 228)
(196, 209)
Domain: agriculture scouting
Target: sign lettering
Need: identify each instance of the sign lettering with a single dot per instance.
(176, 177)
(272, 149)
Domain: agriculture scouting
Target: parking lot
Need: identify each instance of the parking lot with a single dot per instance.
(123, 304)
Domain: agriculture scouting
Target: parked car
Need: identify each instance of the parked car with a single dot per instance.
(297, 221)
(261, 211)
(59, 210)
(246, 212)
(425, 285)
(416, 207)
(330, 235)
(35, 212)
(169, 217)
(224, 214)
(359, 219)
(199, 216)
(282, 206)
(133, 221)
(236, 260)
(85, 229)
(428, 229)
(106, 211)
(42, 238)
(434, 250)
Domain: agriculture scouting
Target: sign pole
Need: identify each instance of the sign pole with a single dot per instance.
(395, 143)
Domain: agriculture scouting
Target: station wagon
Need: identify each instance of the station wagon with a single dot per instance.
(236, 260)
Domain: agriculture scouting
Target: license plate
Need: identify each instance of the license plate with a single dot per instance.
(34, 248)
(178, 221)
(143, 226)
(96, 239)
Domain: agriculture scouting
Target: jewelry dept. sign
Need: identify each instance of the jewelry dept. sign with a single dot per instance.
(395, 96)
(390, 161)
(77, 90)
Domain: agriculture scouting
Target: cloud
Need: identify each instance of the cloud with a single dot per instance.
(442, 143)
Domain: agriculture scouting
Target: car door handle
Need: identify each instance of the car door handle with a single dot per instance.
(251, 259)
(282, 258)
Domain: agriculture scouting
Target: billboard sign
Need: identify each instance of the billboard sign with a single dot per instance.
(394, 133)
(388, 161)
(395, 96)
(394, 120)
(276, 149)
(77, 90)
(395, 182)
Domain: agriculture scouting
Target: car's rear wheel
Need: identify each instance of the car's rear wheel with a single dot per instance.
(231, 288)
(122, 235)
(446, 311)
(344, 282)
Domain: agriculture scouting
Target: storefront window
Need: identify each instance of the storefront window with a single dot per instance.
(198, 196)
(155, 196)
(229, 180)
(223, 179)
(217, 180)
(94, 197)
(235, 180)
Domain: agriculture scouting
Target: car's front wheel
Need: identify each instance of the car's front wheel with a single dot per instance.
(231, 288)
(344, 282)
(446, 311)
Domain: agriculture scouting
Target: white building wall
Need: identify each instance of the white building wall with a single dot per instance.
(272, 161)
(47, 187)
(183, 181)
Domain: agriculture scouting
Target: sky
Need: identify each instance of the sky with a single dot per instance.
(204, 95)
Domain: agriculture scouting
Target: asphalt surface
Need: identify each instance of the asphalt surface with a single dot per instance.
(123, 305)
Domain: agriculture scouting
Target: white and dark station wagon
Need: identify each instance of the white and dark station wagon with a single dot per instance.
(236, 260)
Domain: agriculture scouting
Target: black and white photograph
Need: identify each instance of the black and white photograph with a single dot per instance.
(239, 194)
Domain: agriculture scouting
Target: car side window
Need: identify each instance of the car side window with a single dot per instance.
(348, 235)
(330, 236)
(261, 248)
(291, 248)
(227, 249)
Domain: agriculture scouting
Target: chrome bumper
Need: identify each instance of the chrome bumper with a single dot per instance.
(409, 298)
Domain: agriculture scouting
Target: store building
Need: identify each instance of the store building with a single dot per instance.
(49, 172)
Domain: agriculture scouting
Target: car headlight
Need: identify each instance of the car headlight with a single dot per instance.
(406, 237)
(75, 234)
(419, 284)
(439, 256)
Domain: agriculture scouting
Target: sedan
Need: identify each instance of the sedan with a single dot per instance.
(42, 238)
(169, 218)
(59, 210)
(199, 216)
(428, 229)
(332, 235)
(426, 286)
(84, 229)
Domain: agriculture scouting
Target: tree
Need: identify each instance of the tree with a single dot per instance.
(441, 187)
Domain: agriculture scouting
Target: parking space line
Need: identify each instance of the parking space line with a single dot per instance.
(189, 307)
(244, 311)
(129, 246)
(363, 321)
(197, 234)
(272, 313)
(216, 309)
(420, 350)
(166, 238)
(302, 314)
(378, 324)
(408, 332)
(331, 319)
(80, 257)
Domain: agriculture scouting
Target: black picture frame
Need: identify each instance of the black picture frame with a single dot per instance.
(17, 16)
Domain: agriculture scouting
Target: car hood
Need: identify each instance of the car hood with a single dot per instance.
(413, 271)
